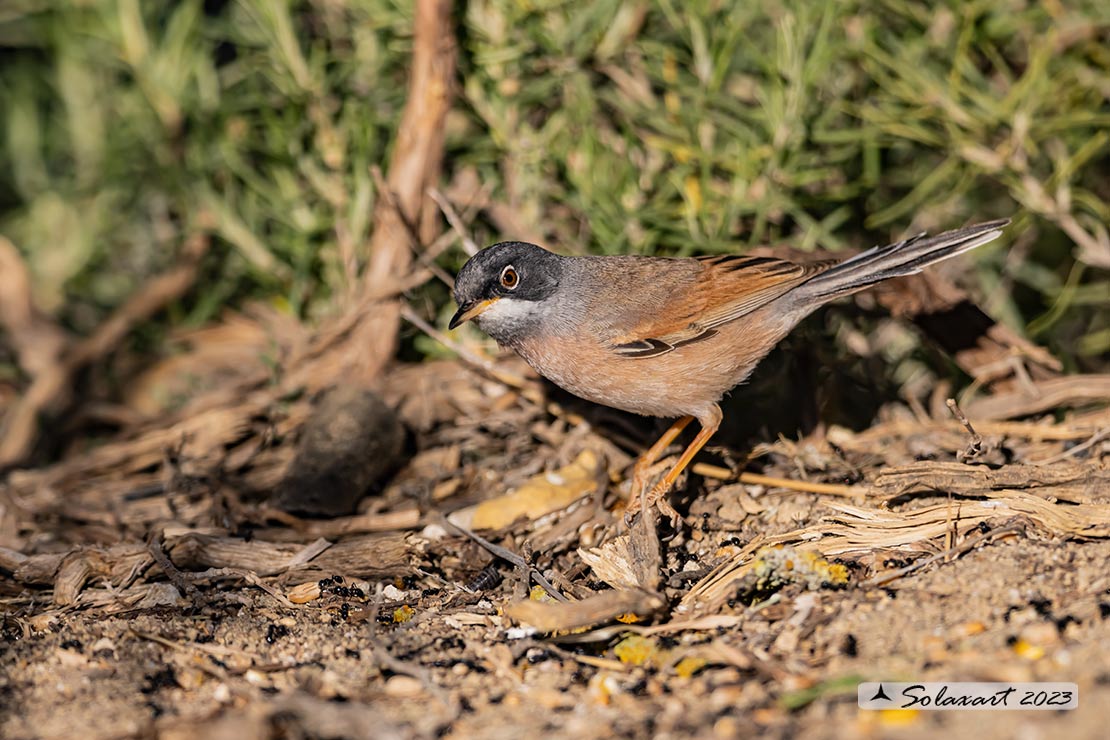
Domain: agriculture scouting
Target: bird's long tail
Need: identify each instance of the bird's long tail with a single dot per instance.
(894, 260)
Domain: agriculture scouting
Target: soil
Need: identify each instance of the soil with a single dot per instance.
(203, 612)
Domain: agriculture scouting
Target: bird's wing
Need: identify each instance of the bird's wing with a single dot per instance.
(724, 289)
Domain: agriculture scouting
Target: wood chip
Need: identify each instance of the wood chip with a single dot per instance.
(608, 605)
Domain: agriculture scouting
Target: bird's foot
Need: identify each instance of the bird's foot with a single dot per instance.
(656, 497)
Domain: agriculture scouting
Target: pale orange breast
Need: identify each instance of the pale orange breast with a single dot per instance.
(688, 380)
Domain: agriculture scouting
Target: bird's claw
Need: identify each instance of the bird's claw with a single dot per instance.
(657, 497)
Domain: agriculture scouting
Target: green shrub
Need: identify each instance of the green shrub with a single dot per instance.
(610, 126)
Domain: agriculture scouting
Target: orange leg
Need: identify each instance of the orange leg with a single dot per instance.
(642, 469)
(643, 465)
(657, 496)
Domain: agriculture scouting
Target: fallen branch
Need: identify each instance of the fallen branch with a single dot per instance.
(367, 556)
(1045, 395)
(605, 606)
(1072, 482)
(414, 167)
(38, 342)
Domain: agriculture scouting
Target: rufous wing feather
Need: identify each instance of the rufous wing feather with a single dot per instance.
(728, 287)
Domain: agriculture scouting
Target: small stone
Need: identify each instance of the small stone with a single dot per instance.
(403, 687)
(726, 727)
(1042, 634)
(190, 679)
(304, 592)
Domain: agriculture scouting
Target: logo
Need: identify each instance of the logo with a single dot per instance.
(948, 696)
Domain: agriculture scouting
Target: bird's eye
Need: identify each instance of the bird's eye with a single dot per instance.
(509, 278)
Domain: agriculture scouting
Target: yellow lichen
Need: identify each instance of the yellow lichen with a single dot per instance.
(776, 566)
(898, 717)
(636, 650)
(1028, 651)
(690, 665)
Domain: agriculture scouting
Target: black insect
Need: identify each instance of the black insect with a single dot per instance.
(489, 578)
(275, 632)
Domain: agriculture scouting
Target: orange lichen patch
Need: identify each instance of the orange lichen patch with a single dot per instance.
(898, 717)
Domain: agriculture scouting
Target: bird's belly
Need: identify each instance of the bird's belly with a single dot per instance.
(687, 380)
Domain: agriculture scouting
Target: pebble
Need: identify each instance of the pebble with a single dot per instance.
(403, 687)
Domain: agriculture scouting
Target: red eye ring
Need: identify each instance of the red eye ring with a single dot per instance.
(509, 278)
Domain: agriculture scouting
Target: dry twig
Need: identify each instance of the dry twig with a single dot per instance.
(975, 446)
(828, 489)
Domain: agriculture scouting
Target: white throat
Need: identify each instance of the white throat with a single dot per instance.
(510, 318)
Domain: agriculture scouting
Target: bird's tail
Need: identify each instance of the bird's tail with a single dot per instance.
(895, 260)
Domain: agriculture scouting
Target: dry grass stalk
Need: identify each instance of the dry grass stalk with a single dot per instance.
(826, 489)
(387, 521)
(1033, 430)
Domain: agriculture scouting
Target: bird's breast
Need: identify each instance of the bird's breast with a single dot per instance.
(685, 381)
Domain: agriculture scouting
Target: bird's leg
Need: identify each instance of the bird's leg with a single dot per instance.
(642, 469)
(658, 495)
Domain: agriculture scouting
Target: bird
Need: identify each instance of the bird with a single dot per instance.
(667, 337)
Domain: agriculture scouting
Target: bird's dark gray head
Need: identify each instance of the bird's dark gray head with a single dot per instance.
(503, 287)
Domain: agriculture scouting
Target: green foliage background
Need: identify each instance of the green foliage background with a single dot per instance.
(610, 126)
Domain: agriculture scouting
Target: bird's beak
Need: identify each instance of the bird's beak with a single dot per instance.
(470, 310)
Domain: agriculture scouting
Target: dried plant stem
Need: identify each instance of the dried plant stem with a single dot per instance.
(828, 489)
(52, 389)
(1072, 452)
(469, 356)
(947, 555)
(975, 446)
(510, 557)
(452, 217)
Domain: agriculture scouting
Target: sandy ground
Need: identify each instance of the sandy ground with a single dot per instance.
(999, 587)
(1021, 611)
